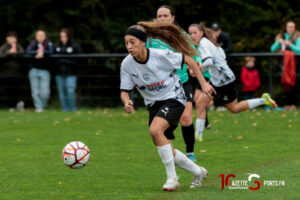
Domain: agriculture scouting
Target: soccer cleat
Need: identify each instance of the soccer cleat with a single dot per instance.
(269, 101)
(199, 179)
(192, 157)
(198, 138)
(171, 184)
(208, 126)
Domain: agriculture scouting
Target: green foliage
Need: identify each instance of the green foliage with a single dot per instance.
(252, 24)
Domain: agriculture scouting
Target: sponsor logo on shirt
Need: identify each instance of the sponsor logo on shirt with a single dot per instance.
(153, 86)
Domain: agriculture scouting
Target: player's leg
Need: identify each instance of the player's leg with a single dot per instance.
(236, 107)
(157, 129)
(185, 163)
(187, 125)
(163, 120)
(202, 102)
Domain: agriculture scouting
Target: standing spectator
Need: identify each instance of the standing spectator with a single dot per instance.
(11, 68)
(250, 78)
(66, 71)
(288, 42)
(39, 74)
(223, 38)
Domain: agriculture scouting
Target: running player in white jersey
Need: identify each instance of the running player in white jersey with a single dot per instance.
(222, 79)
(153, 73)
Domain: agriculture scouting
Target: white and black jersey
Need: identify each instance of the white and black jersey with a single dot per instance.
(219, 71)
(156, 78)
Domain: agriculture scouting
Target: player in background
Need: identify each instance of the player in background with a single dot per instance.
(165, 13)
(222, 79)
(153, 73)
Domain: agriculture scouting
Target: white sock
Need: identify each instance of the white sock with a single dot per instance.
(253, 103)
(183, 162)
(200, 123)
(166, 155)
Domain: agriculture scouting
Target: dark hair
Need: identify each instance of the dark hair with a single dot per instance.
(168, 7)
(207, 32)
(11, 33)
(67, 32)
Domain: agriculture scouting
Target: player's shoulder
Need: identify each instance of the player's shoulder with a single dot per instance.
(127, 61)
(205, 41)
(159, 53)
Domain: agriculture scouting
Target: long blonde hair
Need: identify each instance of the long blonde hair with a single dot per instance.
(170, 34)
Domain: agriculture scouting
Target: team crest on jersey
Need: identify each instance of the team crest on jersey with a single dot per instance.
(146, 76)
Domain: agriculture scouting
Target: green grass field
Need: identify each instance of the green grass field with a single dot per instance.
(124, 163)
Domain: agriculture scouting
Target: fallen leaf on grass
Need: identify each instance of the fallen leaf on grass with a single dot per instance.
(55, 123)
(67, 119)
(203, 151)
(283, 114)
(254, 124)
(59, 182)
(18, 139)
(239, 137)
(90, 112)
(98, 132)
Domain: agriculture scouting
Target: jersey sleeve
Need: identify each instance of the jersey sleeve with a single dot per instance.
(204, 52)
(126, 84)
(173, 60)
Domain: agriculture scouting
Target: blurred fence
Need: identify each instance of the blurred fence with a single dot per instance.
(99, 78)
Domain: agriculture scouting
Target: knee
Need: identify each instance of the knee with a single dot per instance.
(186, 120)
(234, 110)
(154, 131)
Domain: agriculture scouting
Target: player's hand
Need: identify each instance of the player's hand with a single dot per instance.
(208, 89)
(128, 107)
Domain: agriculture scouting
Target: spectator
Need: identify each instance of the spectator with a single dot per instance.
(66, 71)
(39, 74)
(288, 42)
(250, 78)
(10, 68)
(222, 38)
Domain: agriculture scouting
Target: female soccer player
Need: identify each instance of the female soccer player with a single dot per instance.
(222, 79)
(153, 73)
(165, 13)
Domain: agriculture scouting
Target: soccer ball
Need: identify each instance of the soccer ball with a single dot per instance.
(76, 155)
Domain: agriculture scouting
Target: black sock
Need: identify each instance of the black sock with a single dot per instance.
(188, 133)
(206, 119)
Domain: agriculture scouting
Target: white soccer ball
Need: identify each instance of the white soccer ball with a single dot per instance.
(76, 155)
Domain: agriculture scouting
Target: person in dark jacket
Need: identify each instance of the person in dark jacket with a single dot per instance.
(10, 69)
(223, 38)
(66, 71)
(39, 74)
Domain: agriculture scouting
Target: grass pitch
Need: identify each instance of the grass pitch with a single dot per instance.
(124, 163)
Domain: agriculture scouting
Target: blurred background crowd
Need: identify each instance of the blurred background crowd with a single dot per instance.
(32, 29)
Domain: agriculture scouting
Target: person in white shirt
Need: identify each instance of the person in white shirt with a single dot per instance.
(153, 73)
(222, 79)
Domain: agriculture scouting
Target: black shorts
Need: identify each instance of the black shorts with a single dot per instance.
(171, 110)
(225, 94)
(188, 90)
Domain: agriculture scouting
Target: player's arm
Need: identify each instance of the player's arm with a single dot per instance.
(128, 105)
(206, 87)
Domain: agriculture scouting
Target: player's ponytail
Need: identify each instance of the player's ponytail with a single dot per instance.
(170, 34)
